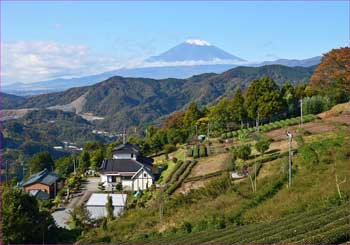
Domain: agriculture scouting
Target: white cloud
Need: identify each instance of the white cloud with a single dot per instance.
(38, 61)
(193, 62)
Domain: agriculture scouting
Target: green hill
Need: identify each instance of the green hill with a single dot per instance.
(125, 102)
(224, 211)
(40, 130)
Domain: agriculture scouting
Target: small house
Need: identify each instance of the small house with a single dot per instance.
(128, 167)
(42, 182)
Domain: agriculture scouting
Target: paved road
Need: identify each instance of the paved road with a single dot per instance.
(87, 189)
(62, 216)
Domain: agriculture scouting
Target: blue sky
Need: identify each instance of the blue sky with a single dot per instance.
(117, 33)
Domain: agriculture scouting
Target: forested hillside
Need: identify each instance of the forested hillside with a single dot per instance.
(125, 102)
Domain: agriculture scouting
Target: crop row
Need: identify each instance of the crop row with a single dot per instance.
(318, 226)
(314, 235)
(272, 232)
(301, 227)
(206, 176)
(170, 176)
(177, 183)
(270, 126)
(197, 151)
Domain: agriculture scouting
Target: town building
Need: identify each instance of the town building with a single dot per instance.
(128, 167)
(44, 184)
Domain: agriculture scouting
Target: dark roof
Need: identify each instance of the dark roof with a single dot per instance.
(127, 148)
(44, 177)
(126, 165)
(120, 165)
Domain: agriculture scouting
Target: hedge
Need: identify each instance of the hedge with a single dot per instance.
(203, 151)
(181, 178)
(270, 126)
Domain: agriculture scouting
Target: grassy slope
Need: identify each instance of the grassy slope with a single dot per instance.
(214, 211)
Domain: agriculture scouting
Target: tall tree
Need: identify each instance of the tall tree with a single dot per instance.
(219, 114)
(263, 99)
(238, 112)
(40, 161)
(97, 157)
(191, 115)
(84, 161)
(174, 120)
(22, 221)
(290, 100)
(333, 73)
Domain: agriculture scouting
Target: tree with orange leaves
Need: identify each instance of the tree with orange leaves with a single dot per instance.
(332, 75)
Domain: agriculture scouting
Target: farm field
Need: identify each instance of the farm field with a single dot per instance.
(200, 204)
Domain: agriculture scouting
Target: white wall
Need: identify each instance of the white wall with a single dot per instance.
(142, 181)
(103, 178)
(124, 156)
(98, 212)
(127, 184)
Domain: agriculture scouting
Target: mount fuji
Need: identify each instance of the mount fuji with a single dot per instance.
(194, 50)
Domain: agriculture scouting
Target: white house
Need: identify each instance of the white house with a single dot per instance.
(127, 167)
(96, 205)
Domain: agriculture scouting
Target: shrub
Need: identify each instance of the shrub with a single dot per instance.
(316, 104)
(189, 152)
(186, 227)
(195, 152)
(243, 152)
(309, 154)
(262, 146)
(203, 151)
(169, 148)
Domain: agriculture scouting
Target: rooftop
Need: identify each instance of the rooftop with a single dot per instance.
(127, 148)
(100, 199)
(43, 177)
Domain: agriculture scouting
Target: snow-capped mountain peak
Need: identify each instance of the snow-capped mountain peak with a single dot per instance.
(195, 50)
(197, 42)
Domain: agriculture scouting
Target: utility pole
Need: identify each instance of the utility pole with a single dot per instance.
(290, 137)
(301, 112)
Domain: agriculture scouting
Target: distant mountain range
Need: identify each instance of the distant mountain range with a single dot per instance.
(187, 59)
(121, 102)
(292, 62)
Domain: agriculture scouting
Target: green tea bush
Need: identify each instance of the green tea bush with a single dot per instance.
(202, 151)
(189, 152)
(195, 152)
